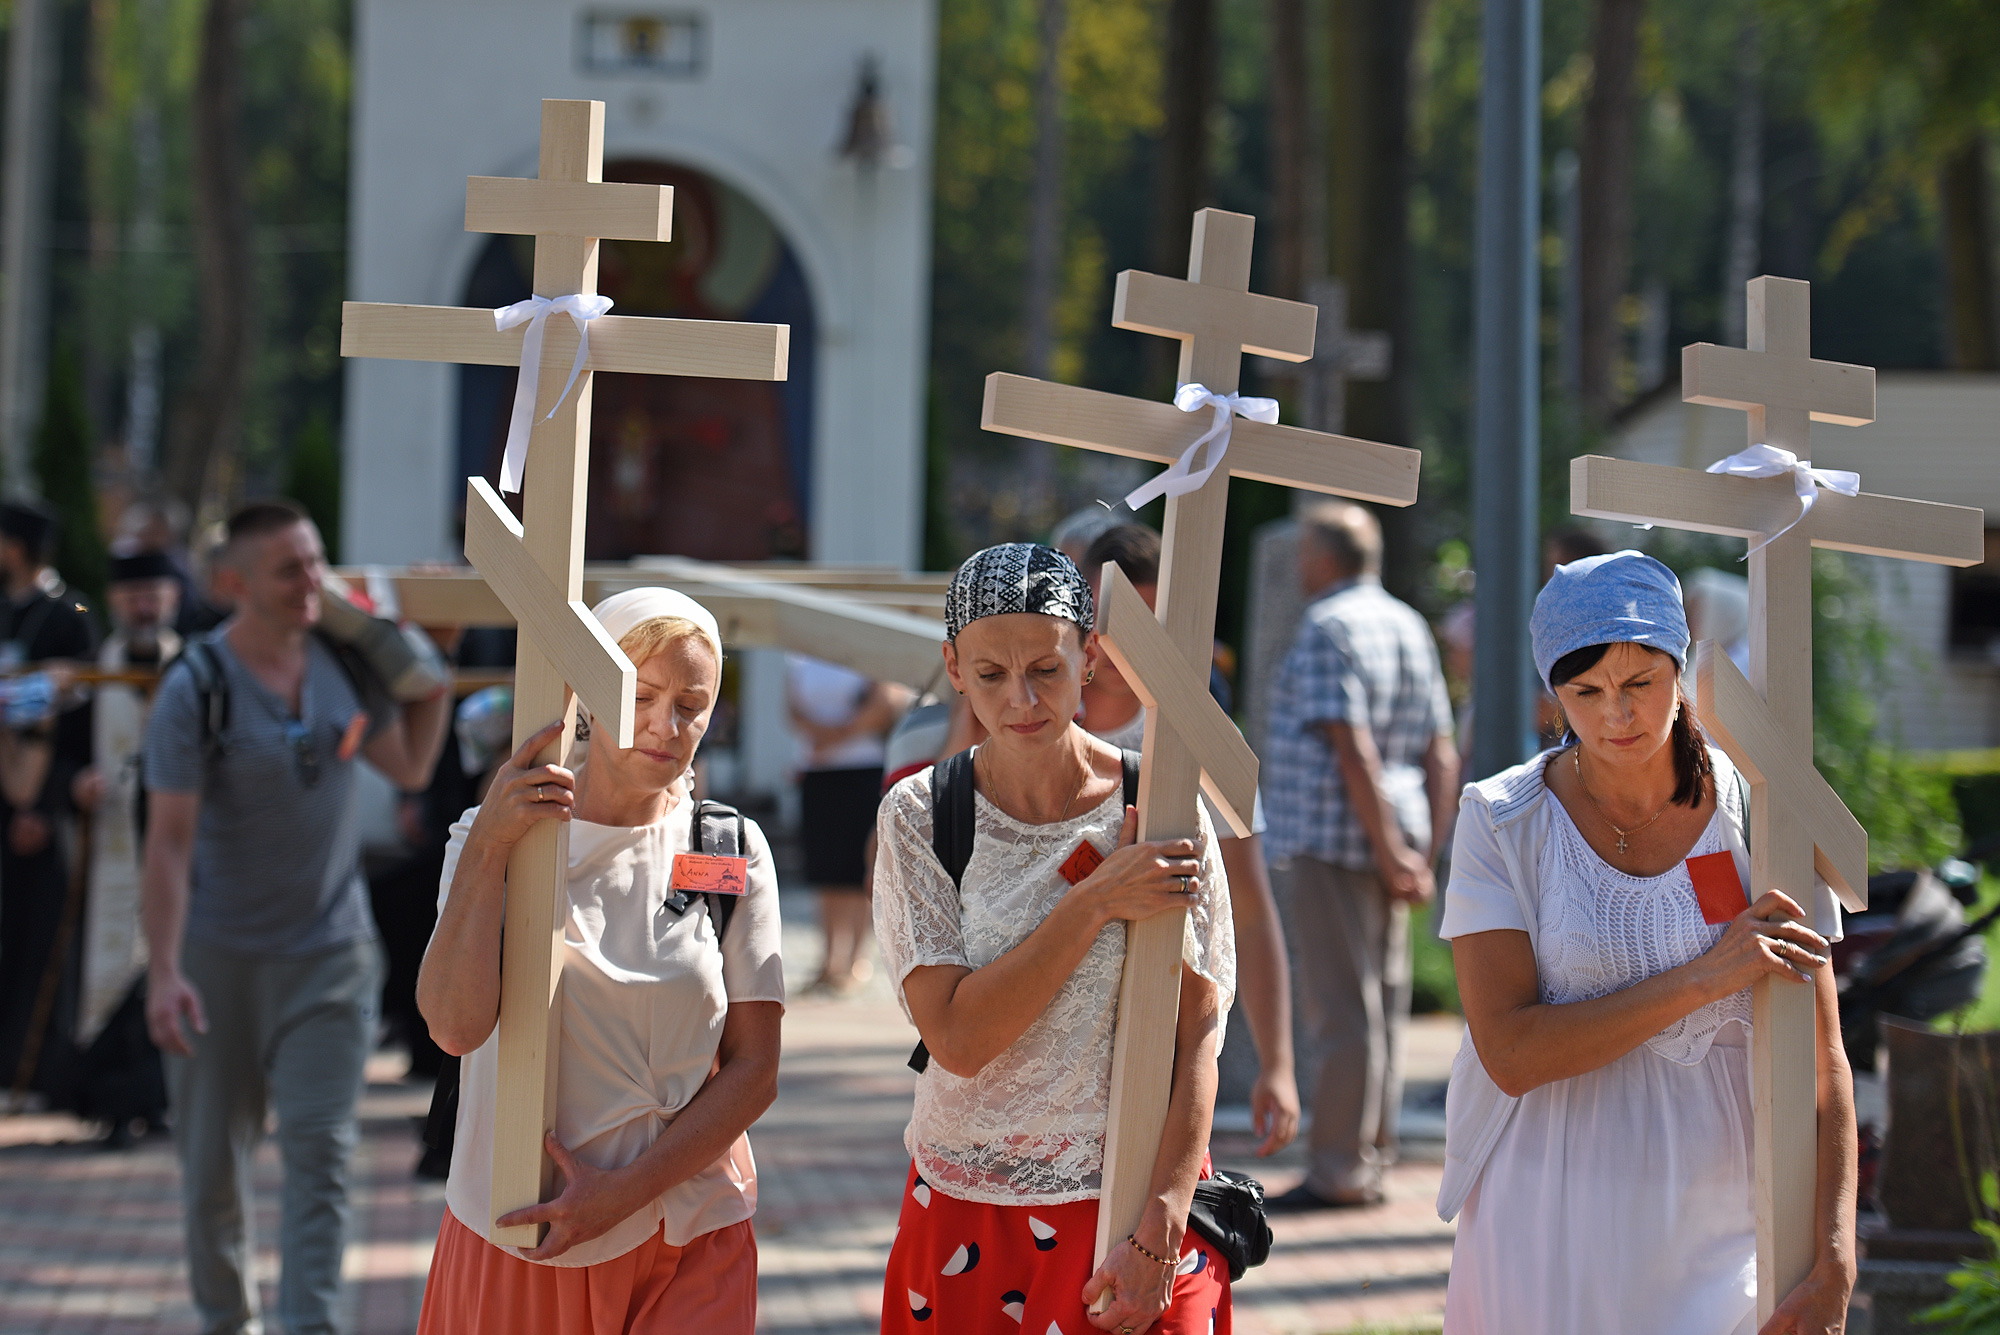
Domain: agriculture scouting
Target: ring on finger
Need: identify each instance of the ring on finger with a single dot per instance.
(1187, 885)
(541, 792)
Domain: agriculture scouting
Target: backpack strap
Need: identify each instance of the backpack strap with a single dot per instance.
(1131, 759)
(951, 814)
(719, 832)
(211, 689)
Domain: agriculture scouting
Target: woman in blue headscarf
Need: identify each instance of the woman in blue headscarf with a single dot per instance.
(1598, 1149)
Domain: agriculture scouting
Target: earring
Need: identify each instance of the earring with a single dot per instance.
(1090, 676)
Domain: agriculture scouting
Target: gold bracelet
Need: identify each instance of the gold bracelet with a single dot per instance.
(1140, 1247)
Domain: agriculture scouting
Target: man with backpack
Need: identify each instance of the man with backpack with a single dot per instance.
(264, 970)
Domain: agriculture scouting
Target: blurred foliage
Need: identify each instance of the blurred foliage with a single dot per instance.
(62, 466)
(1906, 807)
(1433, 980)
(314, 479)
(124, 260)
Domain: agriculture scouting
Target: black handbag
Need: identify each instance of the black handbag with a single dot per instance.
(1228, 1211)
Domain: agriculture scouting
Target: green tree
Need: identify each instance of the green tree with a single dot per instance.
(63, 468)
(313, 480)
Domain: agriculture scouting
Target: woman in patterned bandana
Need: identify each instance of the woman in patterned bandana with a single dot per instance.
(1012, 977)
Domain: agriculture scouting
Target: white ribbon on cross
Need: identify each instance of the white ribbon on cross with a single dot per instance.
(1182, 476)
(1762, 460)
(582, 308)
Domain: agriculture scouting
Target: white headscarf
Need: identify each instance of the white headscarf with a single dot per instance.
(621, 613)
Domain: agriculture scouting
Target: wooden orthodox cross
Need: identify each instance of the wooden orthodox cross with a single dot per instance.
(1217, 319)
(536, 567)
(1765, 722)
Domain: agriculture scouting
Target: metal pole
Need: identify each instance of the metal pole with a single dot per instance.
(1506, 413)
(24, 226)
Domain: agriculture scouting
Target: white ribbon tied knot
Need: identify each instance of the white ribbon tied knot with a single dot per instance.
(582, 308)
(1762, 460)
(1182, 476)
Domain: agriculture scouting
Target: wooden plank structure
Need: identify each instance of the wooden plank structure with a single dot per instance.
(535, 567)
(876, 631)
(1764, 722)
(1216, 318)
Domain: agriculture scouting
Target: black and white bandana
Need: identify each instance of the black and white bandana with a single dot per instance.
(1017, 577)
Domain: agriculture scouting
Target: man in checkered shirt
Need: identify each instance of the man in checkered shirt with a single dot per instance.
(1360, 770)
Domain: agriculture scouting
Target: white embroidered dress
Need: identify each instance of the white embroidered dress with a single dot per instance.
(1619, 1199)
(1029, 1127)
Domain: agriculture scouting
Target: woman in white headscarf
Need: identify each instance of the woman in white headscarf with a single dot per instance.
(669, 1028)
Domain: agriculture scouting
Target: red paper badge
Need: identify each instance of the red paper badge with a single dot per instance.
(707, 874)
(350, 741)
(1081, 863)
(1717, 887)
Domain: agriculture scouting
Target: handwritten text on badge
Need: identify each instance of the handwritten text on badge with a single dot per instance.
(707, 874)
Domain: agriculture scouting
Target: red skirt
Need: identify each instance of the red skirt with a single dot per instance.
(966, 1268)
(710, 1286)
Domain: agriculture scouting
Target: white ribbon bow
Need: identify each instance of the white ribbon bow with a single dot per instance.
(582, 308)
(1762, 460)
(1182, 476)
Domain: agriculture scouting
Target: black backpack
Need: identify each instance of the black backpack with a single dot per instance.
(952, 831)
(718, 832)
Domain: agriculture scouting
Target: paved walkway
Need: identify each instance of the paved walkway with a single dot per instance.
(90, 1240)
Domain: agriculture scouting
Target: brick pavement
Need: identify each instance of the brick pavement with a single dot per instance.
(90, 1240)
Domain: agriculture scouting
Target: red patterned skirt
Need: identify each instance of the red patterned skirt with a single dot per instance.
(966, 1268)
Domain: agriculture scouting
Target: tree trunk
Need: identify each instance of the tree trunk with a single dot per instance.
(1963, 190)
(1605, 186)
(1290, 110)
(211, 418)
(1746, 184)
(1368, 217)
(1189, 95)
(1045, 197)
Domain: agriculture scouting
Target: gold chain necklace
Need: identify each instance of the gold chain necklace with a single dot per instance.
(1623, 835)
(1035, 848)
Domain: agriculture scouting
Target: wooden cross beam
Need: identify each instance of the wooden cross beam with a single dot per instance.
(890, 637)
(536, 566)
(1765, 722)
(1216, 318)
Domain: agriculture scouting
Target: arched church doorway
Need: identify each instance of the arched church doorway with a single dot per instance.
(715, 469)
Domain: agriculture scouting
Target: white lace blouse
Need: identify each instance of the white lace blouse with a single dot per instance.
(1029, 1127)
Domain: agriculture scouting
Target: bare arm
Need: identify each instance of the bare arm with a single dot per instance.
(1265, 989)
(1142, 1287)
(970, 1016)
(1441, 785)
(1405, 873)
(407, 750)
(458, 987)
(163, 907)
(1524, 1042)
(743, 1085)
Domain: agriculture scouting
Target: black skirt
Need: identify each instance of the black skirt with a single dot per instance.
(836, 815)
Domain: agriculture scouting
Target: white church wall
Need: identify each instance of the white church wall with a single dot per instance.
(451, 88)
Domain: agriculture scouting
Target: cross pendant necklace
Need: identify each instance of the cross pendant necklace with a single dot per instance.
(1623, 835)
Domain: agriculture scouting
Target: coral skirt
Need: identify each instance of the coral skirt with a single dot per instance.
(968, 1268)
(709, 1286)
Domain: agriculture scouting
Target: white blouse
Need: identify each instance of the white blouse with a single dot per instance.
(1029, 1127)
(1642, 1165)
(644, 995)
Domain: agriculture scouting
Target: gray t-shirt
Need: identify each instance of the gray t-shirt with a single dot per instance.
(277, 850)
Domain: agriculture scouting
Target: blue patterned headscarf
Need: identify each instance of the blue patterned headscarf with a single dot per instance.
(1619, 598)
(1017, 577)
